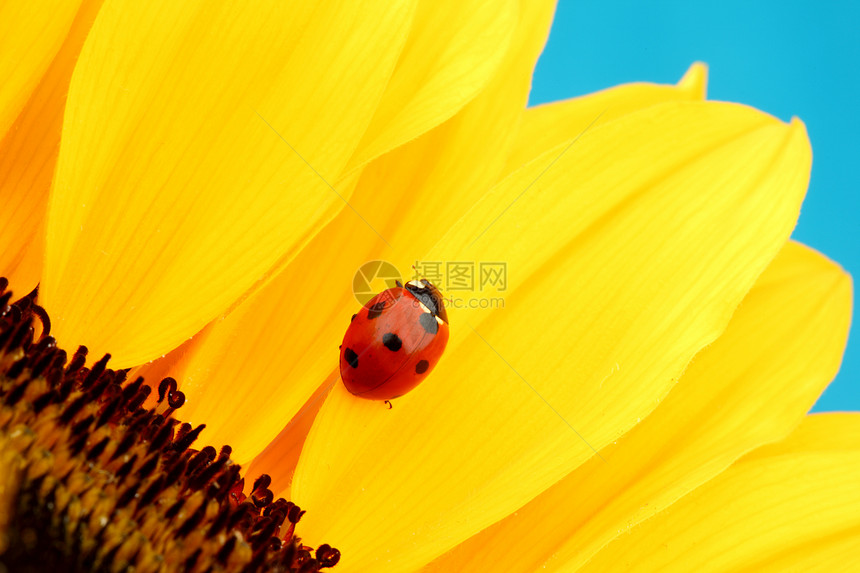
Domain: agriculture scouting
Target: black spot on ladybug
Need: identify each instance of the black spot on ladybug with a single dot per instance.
(353, 317)
(376, 309)
(391, 341)
(422, 367)
(428, 321)
(351, 357)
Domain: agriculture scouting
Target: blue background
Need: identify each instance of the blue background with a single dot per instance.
(785, 58)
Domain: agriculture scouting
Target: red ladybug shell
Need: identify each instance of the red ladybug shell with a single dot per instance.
(394, 341)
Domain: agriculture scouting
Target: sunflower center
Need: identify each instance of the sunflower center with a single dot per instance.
(93, 481)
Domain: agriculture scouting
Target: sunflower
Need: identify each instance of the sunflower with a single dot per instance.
(192, 187)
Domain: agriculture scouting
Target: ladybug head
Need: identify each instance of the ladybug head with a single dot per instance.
(429, 296)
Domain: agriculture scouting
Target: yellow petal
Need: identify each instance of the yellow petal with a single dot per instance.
(31, 33)
(299, 319)
(280, 457)
(548, 125)
(434, 181)
(790, 507)
(28, 153)
(454, 50)
(197, 143)
(627, 258)
(752, 386)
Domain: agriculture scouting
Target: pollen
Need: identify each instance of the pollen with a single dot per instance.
(92, 480)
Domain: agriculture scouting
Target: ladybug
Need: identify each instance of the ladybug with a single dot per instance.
(394, 341)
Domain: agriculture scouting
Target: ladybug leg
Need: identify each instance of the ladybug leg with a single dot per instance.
(388, 402)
